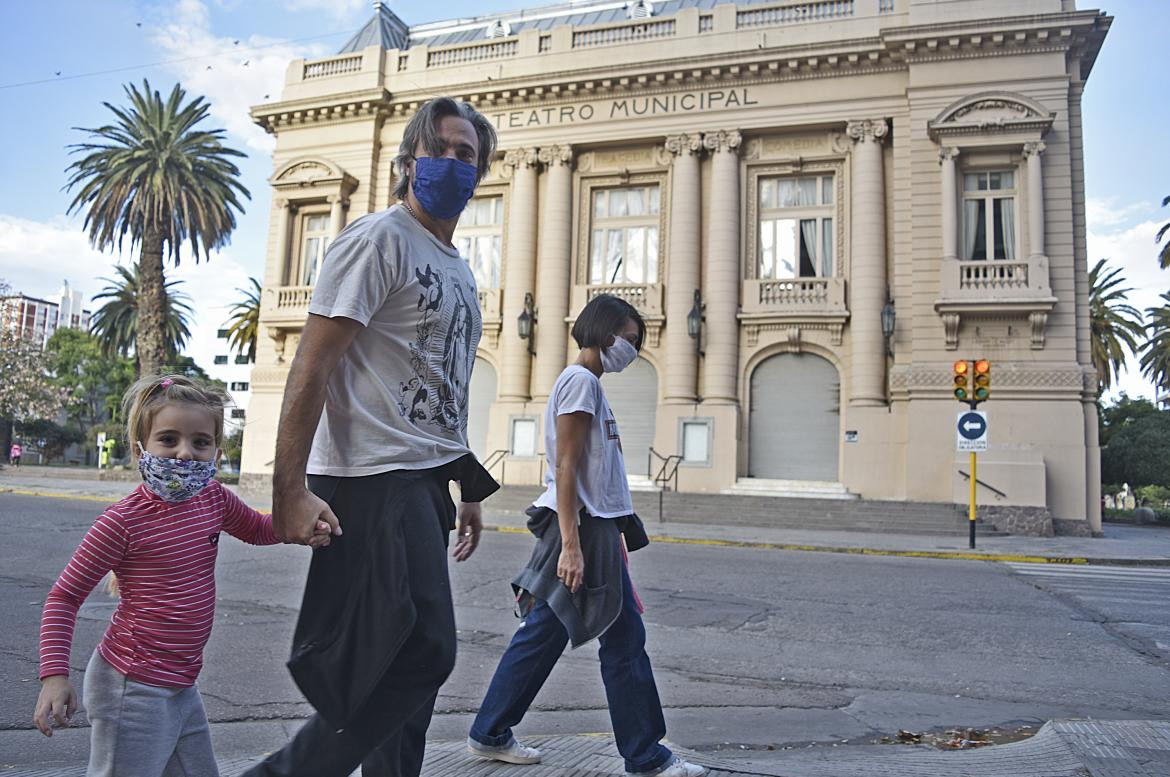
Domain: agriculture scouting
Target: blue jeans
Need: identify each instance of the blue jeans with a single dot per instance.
(634, 708)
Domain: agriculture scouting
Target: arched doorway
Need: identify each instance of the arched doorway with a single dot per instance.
(633, 395)
(479, 406)
(794, 419)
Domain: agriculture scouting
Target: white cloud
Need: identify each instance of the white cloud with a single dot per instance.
(1104, 212)
(233, 74)
(36, 256)
(1132, 250)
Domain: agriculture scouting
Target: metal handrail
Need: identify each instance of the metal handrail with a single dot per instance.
(653, 454)
(988, 486)
(663, 478)
(497, 457)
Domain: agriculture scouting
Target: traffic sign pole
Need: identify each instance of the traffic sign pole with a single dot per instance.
(971, 505)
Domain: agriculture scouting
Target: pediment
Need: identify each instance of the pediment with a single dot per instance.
(991, 112)
(310, 171)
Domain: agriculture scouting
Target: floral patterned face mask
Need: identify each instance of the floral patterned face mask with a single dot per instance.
(174, 480)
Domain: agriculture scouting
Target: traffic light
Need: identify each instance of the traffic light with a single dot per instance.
(962, 380)
(982, 380)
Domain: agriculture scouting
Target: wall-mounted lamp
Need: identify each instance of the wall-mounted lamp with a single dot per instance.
(695, 323)
(525, 323)
(888, 326)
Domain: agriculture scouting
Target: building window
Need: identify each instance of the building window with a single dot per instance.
(524, 437)
(478, 238)
(314, 241)
(221, 359)
(242, 358)
(696, 441)
(989, 215)
(222, 334)
(237, 412)
(240, 386)
(624, 240)
(796, 227)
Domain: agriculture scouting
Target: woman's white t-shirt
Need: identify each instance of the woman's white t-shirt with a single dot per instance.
(602, 487)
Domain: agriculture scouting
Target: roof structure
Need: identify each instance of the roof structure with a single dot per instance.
(387, 30)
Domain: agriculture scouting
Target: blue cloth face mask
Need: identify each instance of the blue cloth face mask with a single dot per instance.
(174, 480)
(443, 185)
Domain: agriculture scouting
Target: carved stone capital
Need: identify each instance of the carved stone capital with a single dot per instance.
(684, 143)
(281, 203)
(518, 158)
(723, 140)
(864, 130)
(561, 156)
(1034, 149)
(947, 154)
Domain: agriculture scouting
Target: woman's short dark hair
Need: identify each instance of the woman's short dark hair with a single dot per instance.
(602, 317)
(423, 128)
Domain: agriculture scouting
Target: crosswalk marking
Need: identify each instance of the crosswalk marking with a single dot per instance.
(1147, 587)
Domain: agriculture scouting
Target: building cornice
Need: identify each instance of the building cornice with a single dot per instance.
(893, 50)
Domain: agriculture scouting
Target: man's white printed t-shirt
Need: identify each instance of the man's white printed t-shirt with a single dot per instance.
(398, 398)
(602, 487)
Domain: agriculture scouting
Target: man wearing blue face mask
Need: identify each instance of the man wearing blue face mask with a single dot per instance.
(375, 414)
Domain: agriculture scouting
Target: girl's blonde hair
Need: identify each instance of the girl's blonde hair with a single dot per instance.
(148, 395)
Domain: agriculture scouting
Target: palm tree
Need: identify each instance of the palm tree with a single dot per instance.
(153, 176)
(244, 324)
(1114, 324)
(1156, 358)
(1164, 254)
(116, 322)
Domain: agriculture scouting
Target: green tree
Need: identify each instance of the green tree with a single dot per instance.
(91, 383)
(1138, 453)
(1123, 413)
(244, 323)
(116, 322)
(1164, 253)
(1155, 361)
(1114, 324)
(152, 176)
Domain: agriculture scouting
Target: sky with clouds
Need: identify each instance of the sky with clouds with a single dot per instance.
(61, 60)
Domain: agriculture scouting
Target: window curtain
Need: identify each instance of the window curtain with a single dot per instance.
(971, 227)
(1007, 221)
(808, 240)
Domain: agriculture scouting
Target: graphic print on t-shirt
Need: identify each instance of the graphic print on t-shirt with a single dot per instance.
(448, 312)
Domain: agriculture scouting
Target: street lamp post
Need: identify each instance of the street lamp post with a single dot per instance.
(888, 326)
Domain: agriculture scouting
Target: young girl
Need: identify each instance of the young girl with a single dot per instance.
(161, 542)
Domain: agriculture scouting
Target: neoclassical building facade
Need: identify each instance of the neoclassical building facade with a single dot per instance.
(817, 206)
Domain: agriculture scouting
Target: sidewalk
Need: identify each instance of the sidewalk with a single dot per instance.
(1122, 544)
(1068, 748)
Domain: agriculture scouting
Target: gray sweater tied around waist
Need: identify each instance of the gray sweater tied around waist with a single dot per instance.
(598, 602)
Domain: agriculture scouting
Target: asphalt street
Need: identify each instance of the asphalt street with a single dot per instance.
(756, 651)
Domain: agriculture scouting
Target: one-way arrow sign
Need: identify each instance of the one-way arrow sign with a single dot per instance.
(972, 429)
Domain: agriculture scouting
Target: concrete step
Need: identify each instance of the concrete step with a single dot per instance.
(791, 489)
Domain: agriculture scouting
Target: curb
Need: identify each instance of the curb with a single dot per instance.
(933, 554)
(757, 545)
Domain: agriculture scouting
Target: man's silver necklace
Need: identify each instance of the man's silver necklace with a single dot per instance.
(410, 210)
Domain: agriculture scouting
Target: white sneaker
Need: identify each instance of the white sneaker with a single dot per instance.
(676, 768)
(511, 753)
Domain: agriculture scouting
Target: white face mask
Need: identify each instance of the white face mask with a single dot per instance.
(618, 356)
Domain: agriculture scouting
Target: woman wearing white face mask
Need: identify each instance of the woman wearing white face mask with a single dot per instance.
(576, 586)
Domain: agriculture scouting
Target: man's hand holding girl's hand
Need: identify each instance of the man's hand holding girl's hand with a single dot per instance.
(298, 517)
(57, 702)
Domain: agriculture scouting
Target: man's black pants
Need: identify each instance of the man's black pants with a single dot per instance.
(396, 523)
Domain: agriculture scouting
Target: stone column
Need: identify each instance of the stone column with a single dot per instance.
(950, 203)
(280, 272)
(723, 278)
(519, 272)
(554, 268)
(1032, 152)
(336, 215)
(682, 268)
(868, 289)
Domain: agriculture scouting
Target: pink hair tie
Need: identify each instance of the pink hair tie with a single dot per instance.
(166, 383)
